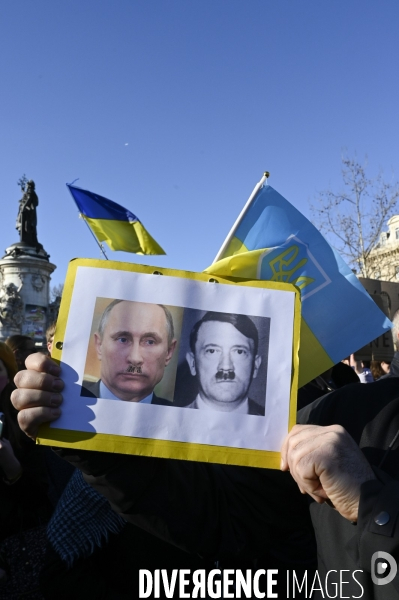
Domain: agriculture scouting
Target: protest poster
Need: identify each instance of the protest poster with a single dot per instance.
(382, 348)
(174, 364)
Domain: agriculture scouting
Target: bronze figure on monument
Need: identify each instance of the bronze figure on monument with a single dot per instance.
(27, 220)
(25, 272)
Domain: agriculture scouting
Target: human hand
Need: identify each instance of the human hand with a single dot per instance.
(356, 364)
(327, 464)
(38, 395)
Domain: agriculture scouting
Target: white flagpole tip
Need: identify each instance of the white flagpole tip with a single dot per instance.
(240, 217)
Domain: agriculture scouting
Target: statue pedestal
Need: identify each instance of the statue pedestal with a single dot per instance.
(25, 291)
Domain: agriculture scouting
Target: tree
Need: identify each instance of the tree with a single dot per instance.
(22, 181)
(56, 291)
(355, 218)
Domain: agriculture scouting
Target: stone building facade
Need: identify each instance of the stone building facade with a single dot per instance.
(384, 259)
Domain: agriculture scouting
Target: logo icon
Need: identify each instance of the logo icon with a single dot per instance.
(292, 262)
(383, 568)
(280, 266)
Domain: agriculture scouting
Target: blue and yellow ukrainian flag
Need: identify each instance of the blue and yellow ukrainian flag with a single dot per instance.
(272, 240)
(112, 223)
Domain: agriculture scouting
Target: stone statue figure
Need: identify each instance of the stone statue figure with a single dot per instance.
(27, 220)
(11, 306)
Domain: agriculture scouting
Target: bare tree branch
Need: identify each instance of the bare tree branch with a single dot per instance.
(354, 218)
(56, 291)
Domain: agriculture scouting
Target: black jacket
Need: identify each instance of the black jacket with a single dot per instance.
(224, 514)
(235, 512)
(370, 413)
(394, 369)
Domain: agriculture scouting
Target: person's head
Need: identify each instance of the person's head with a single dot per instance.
(8, 366)
(22, 346)
(134, 342)
(50, 331)
(341, 374)
(379, 368)
(224, 358)
(385, 366)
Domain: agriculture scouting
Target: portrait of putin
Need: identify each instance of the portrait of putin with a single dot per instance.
(134, 343)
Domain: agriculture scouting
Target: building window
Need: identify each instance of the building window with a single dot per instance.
(383, 239)
(377, 274)
(397, 233)
(397, 272)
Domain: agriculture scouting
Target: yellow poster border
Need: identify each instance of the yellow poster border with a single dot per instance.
(51, 436)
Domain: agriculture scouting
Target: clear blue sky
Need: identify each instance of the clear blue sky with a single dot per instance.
(206, 93)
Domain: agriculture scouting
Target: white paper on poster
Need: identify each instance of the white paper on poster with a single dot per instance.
(175, 423)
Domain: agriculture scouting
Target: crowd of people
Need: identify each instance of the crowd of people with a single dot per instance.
(32, 480)
(79, 524)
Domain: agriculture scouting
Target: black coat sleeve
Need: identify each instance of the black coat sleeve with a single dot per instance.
(379, 498)
(212, 510)
(370, 414)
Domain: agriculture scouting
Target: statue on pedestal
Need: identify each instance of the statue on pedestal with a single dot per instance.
(27, 220)
(25, 272)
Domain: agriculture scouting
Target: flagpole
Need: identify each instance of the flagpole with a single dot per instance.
(226, 242)
(83, 217)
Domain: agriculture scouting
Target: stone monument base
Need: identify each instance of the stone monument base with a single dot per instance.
(25, 273)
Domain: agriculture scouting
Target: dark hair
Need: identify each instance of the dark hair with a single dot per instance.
(343, 374)
(19, 342)
(376, 370)
(242, 323)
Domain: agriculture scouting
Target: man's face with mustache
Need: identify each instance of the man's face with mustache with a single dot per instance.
(134, 349)
(224, 362)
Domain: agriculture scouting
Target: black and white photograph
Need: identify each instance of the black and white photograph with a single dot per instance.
(223, 362)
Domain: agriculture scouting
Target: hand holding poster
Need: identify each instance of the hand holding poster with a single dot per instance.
(175, 364)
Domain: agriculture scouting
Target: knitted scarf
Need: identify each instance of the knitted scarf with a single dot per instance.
(81, 521)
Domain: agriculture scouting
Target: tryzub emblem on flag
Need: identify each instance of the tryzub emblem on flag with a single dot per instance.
(292, 262)
(272, 240)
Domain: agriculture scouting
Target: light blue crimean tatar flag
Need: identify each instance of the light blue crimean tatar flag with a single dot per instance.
(272, 240)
